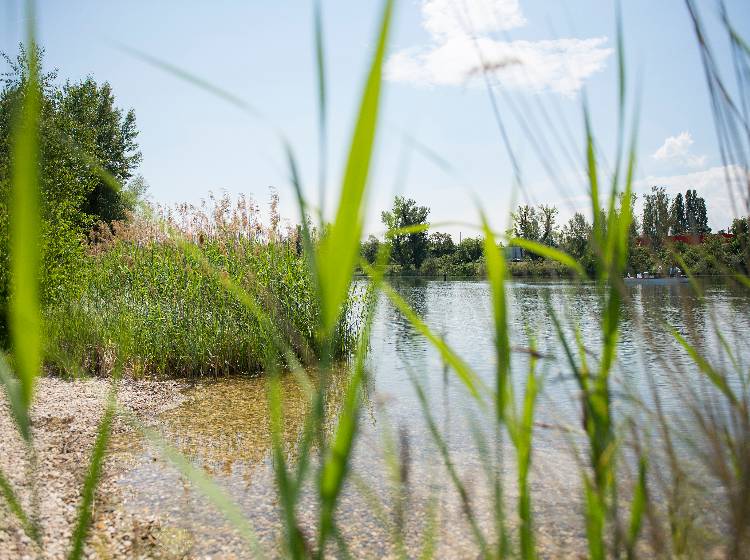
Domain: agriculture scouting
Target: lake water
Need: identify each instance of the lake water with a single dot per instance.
(223, 426)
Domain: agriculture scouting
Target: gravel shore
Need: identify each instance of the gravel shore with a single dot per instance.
(65, 418)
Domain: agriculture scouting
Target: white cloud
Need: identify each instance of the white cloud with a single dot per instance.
(677, 148)
(725, 200)
(462, 46)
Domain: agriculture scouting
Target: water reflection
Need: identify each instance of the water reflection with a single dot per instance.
(224, 427)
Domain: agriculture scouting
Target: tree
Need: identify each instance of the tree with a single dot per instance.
(82, 133)
(441, 244)
(111, 135)
(575, 236)
(701, 216)
(79, 132)
(678, 218)
(695, 213)
(547, 222)
(370, 249)
(656, 220)
(526, 223)
(409, 249)
(470, 249)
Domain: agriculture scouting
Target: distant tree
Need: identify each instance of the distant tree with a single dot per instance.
(696, 215)
(547, 216)
(370, 249)
(656, 219)
(409, 249)
(526, 223)
(575, 235)
(678, 218)
(701, 216)
(441, 244)
(470, 249)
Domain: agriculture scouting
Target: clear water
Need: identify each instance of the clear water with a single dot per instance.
(224, 425)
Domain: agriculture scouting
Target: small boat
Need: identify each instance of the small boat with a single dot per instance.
(656, 280)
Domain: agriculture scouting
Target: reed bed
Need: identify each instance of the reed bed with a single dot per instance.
(153, 296)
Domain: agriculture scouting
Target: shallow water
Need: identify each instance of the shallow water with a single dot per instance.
(224, 425)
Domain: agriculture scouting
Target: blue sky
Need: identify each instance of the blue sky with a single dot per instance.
(194, 143)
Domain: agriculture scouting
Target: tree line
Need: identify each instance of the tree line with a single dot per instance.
(418, 251)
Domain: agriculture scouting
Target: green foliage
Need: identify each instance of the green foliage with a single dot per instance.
(440, 244)
(80, 133)
(678, 217)
(159, 311)
(656, 218)
(370, 249)
(409, 249)
(526, 224)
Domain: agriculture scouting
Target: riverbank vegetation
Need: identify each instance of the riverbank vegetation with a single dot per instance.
(152, 295)
(125, 282)
(646, 478)
(671, 232)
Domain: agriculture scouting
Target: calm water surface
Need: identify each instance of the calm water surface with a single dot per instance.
(223, 426)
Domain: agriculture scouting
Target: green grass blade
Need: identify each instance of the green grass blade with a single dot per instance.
(524, 439)
(595, 515)
(593, 177)
(338, 253)
(16, 509)
(92, 478)
(496, 273)
(742, 279)
(218, 496)
(15, 399)
(462, 369)
(24, 316)
(322, 107)
(637, 508)
(296, 546)
(708, 370)
(336, 466)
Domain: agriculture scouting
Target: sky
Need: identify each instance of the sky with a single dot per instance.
(439, 141)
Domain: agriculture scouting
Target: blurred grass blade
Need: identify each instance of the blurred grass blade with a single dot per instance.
(218, 496)
(714, 376)
(339, 250)
(496, 273)
(24, 316)
(742, 279)
(462, 369)
(322, 108)
(16, 509)
(92, 477)
(637, 508)
(198, 82)
(524, 430)
(336, 466)
(296, 547)
(15, 400)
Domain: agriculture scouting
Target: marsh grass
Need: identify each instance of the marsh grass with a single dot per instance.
(153, 297)
(640, 493)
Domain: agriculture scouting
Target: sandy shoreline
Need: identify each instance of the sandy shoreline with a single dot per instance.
(65, 418)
